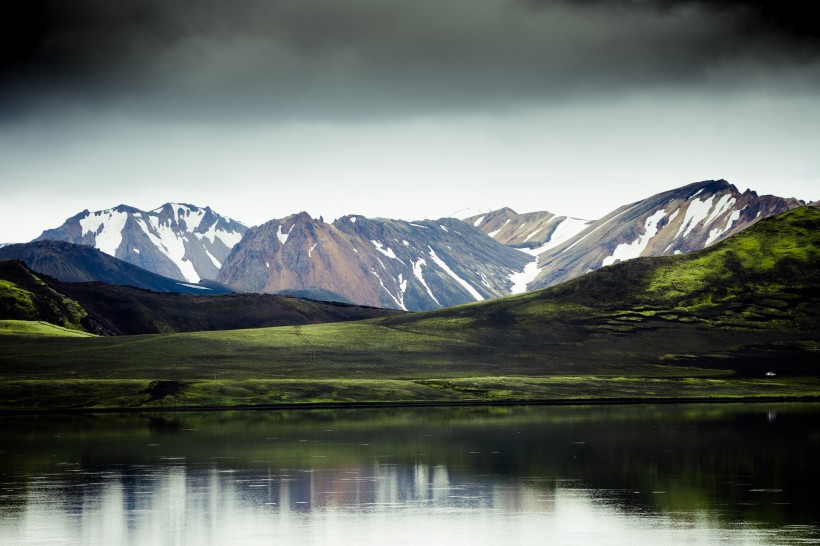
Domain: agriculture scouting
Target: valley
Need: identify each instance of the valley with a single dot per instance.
(710, 324)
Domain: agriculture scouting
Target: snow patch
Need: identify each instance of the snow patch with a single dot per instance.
(419, 225)
(521, 279)
(216, 262)
(566, 230)
(467, 286)
(478, 222)
(695, 213)
(267, 264)
(530, 236)
(399, 302)
(494, 233)
(198, 287)
(627, 251)
(402, 290)
(405, 243)
(721, 206)
(310, 250)
(443, 227)
(601, 226)
(717, 232)
(193, 218)
(283, 237)
(417, 272)
(108, 240)
(170, 244)
(387, 251)
(228, 238)
(136, 250)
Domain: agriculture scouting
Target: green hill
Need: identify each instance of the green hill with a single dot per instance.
(24, 296)
(704, 325)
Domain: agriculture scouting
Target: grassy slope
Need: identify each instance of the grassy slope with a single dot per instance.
(23, 296)
(700, 325)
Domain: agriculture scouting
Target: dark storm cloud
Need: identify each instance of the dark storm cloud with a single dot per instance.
(211, 59)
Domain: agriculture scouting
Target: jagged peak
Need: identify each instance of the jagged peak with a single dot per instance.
(178, 206)
(128, 209)
(707, 186)
(505, 210)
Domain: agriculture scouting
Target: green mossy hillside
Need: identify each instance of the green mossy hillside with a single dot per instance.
(24, 296)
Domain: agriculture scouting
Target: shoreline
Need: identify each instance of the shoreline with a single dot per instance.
(420, 404)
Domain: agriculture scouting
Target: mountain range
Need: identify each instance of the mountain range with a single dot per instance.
(387, 263)
(397, 264)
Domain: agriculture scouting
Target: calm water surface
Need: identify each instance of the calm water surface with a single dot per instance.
(688, 474)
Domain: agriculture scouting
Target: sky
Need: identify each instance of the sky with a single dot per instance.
(422, 109)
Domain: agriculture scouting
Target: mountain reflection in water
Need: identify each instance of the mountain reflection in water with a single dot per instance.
(627, 474)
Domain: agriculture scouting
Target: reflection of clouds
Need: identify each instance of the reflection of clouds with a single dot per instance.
(366, 504)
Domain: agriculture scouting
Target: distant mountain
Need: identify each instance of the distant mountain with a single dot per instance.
(379, 262)
(176, 240)
(678, 221)
(81, 263)
(528, 230)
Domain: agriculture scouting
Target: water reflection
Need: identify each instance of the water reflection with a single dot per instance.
(515, 475)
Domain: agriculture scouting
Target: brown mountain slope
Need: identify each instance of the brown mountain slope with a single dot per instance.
(379, 262)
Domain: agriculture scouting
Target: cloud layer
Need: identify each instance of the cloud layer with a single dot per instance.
(324, 59)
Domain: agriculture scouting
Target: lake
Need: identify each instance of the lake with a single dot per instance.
(641, 474)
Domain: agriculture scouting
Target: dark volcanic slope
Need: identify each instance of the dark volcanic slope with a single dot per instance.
(79, 263)
(127, 310)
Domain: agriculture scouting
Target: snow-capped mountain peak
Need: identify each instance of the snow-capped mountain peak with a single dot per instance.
(681, 220)
(177, 240)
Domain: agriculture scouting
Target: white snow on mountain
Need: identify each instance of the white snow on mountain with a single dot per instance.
(418, 274)
(107, 226)
(627, 251)
(283, 237)
(714, 234)
(179, 232)
(521, 279)
(467, 286)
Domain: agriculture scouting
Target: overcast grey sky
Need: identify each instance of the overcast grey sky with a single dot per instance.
(399, 109)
